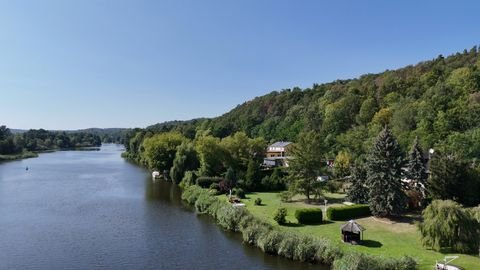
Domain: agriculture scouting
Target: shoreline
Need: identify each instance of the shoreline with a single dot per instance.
(35, 154)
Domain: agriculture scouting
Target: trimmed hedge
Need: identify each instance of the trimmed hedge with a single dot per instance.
(206, 182)
(309, 215)
(348, 212)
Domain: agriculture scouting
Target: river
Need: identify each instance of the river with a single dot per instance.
(94, 210)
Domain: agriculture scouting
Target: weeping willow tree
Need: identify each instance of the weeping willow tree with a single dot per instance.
(448, 226)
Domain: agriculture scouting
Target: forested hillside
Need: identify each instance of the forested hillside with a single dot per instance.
(437, 100)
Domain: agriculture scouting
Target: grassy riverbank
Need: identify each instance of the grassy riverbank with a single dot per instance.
(382, 237)
(18, 156)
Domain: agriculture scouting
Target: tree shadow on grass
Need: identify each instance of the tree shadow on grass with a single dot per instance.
(293, 225)
(371, 243)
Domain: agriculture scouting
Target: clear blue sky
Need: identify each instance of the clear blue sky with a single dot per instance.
(79, 64)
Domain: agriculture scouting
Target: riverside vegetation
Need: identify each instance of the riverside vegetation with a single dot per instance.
(28, 143)
(375, 127)
(292, 245)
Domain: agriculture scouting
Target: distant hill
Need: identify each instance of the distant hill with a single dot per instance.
(108, 135)
(437, 100)
(18, 131)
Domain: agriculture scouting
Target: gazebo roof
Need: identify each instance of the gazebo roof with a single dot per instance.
(352, 226)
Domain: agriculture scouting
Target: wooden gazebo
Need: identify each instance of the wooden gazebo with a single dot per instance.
(352, 232)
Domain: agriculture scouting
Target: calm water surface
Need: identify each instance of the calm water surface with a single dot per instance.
(93, 210)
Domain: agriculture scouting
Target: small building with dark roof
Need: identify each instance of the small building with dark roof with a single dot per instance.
(352, 232)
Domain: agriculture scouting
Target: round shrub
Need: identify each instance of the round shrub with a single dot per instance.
(309, 215)
(239, 193)
(258, 201)
(270, 241)
(280, 216)
(348, 212)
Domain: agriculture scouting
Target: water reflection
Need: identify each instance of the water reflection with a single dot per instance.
(93, 210)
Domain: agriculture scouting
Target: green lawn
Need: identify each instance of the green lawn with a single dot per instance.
(380, 238)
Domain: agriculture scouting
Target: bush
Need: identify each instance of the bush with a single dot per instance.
(270, 241)
(306, 249)
(188, 179)
(191, 193)
(309, 215)
(356, 261)
(258, 201)
(206, 182)
(252, 233)
(289, 245)
(214, 208)
(204, 201)
(286, 196)
(280, 216)
(348, 212)
(403, 263)
(327, 252)
(239, 193)
(229, 217)
(360, 261)
(214, 186)
(286, 248)
(333, 186)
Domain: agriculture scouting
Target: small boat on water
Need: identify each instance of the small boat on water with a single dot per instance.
(155, 175)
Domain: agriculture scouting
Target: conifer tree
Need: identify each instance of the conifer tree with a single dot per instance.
(253, 175)
(358, 192)
(384, 172)
(417, 172)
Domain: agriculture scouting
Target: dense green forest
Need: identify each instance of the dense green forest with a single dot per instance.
(41, 140)
(107, 135)
(437, 100)
(400, 139)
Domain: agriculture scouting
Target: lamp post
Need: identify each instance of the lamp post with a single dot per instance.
(325, 201)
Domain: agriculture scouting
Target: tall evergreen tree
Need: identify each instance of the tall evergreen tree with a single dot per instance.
(253, 175)
(358, 192)
(417, 172)
(384, 173)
